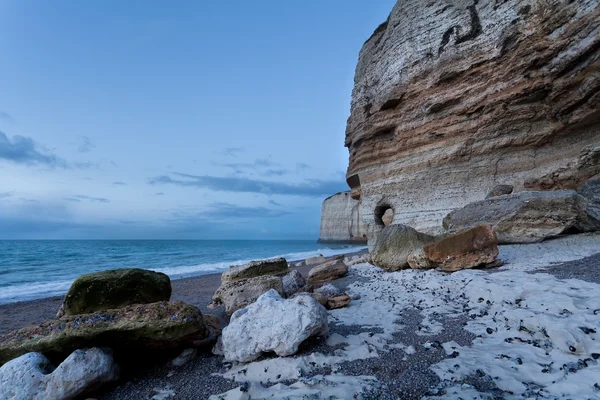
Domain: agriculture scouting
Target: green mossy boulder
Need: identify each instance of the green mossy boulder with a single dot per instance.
(116, 288)
(161, 325)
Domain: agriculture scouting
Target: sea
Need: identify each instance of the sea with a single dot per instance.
(33, 269)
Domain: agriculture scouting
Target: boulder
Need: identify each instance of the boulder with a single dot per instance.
(185, 357)
(500, 190)
(394, 245)
(32, 377)
(591, 192)
(338, 301)
(418, 260)
(315, 260)
(328, 290)
(293, 283)
(116, 288)
(127, 329)
(274, 266)
(328, 271)
(388, 217)
(239, 294)
(525, 217)
(273, 324)
(466, 249)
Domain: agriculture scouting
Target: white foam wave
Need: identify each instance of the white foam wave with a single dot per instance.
(31, 291)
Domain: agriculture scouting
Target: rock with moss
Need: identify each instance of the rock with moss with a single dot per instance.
(161, 325)
(394, 244)
(274, 266)
(113, 289)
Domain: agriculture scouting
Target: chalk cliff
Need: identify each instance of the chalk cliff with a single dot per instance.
(341, 221)
(453, 97)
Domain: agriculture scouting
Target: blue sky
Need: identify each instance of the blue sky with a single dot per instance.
(185, 120)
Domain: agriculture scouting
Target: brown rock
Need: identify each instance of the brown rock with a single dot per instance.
(239, 294)
(339, 301)
(418, 260)
(466, 249)
(452, 96)
(394, 244)
(328, 271)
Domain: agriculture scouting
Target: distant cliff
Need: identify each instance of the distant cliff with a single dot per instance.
(454, 97)
(341, 221)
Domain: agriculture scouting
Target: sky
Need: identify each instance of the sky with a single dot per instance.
(146, 119)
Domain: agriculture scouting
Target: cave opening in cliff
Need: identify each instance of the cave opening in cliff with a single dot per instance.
(384, 214)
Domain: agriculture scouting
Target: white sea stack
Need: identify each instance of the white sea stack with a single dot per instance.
(31, 376)
(273, 324)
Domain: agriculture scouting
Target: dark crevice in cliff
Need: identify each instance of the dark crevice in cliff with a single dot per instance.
(390, 104)
(473, 33)
(386, 133)
(582, 61)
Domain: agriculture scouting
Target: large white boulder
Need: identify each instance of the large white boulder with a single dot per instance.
(273, 324)
(32, 377)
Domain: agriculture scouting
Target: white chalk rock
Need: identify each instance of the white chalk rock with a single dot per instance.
(31, 376)
(273, 324)
(293, 283)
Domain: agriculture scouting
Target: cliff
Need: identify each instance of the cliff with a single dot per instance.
(341, 221)
(454, 97)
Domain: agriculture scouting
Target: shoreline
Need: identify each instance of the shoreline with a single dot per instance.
(195, 290)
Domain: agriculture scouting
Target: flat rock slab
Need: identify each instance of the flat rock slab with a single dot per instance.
(328, 271)
(114, 289)
(525, 217)
(239, 294)
(466, 249)
(274, 266)
(156, 325)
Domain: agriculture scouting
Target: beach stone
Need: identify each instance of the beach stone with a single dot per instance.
(466, 249)
(388, 217)
(167, 325)
(116, 288)
(239, 294)
(525, 217)
(338, 301)
(418, 260)
(293, 283)
(274, 266)
(328, 271)
(591, 192)
(319, 259)
(394, 245)
(273, 324)
(328, 290)
(32, 377)
(500, 190)
(185, 357)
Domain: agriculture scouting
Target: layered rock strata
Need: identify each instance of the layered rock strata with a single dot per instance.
(454, 97)
(341, 221)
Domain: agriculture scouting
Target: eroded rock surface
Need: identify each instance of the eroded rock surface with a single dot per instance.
(328, 271)
(273, 324)
(341, 220)
(239, 294)
(274, 266)
(454, 97)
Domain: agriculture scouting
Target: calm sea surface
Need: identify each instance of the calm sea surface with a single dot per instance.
(31, 269)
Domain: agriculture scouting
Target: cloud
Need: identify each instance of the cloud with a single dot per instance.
(85, 145)
(78, 198)
(23, 150)
(6, 116)
(119, 183)
(302, 166)
(222, 212)
(273, 202)
(159, 194)
(5, 195)
(276, 172)
(233, 151)
(311, 188)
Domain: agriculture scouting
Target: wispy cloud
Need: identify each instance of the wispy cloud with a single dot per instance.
(119, 183)
(6, 116)
(276, 172)
(311, 188)
(233, 151)
(302, 166)
(78, 198)
(23, 150)
(5, 195)
(222, 212)
(273, 202)
(159, 194)
(85, 145)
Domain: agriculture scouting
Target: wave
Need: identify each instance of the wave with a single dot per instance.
(37, 290)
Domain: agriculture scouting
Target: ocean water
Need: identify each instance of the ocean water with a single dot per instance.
(31, 269)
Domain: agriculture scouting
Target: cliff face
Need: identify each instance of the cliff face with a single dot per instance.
(453, 97)
(341, 221)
